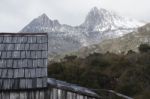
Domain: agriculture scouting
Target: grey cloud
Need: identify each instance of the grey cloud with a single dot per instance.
(15, 14)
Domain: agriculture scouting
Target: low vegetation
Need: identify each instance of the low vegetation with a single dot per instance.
(128, 73)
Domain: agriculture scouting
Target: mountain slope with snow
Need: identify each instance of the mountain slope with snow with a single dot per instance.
(99, 25)
(103, 20)
(122, 44)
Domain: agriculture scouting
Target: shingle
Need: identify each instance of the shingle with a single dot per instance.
(16, 54)
(41, 39)
(33, 54)
(38, 39)
(40, 62)
(4, 73)
(24, 63)
(38, 54)
(4, 54)
(30, 63)
(16, 84)
(35, 63)
(12, 83)
(27, 73)
(19, 40)
(15, 39)
(2, 47)
(44, 72)
(10, 47)
(22, 83)
(27, 46)
(17, 46)
(10, 73)
(44, 62)
(39, 82)
(15, 64)
(24, 39)
(1, 64)
(7, 39)
(0, 54)
(44, 82)
(34, 47)
(42, 46)
(1, 83)
(5, 83)
(23, 54)
(31, 39)
(0, 72)
(9, 54)
(44, 54)
(28, 83)
(44, 39)
(22, 46)
(38, 72)
(9, 63)
(21, 73)
(1, 39)
(34, 39)
(16, 73)
(33, 73)
(28, 54)
(20, 63)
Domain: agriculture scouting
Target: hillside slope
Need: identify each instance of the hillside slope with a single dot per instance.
(125, 43)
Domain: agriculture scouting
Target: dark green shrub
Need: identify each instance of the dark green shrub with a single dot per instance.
(144, 48)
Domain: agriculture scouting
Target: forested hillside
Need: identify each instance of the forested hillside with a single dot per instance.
(124, 73)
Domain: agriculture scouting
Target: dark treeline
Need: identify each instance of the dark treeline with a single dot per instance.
(128, 73)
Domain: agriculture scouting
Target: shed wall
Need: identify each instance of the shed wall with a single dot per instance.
(52, 93)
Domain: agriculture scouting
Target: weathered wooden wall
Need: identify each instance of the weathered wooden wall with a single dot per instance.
(23, 61)
(52, 93)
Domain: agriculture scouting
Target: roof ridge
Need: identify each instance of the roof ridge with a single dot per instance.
(9, 33)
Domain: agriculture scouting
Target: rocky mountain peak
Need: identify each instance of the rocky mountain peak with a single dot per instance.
(98, 26)
(104, 20)
(42, 24)
(97, 17)
(43, 16)
(94, 9)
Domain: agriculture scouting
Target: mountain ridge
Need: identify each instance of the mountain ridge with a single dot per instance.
(122, 44)
(99, 25)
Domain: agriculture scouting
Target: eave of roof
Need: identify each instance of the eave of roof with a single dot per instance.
(3, 33)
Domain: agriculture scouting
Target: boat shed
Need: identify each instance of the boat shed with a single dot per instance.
(23, 70)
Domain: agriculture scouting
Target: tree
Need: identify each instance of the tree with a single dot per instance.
(131, 52)
(70, 58)
(144, 48)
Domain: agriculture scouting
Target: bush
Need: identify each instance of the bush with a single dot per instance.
(144, 48)
(127, 74)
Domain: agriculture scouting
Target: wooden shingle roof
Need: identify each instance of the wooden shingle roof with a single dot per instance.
(23, 60)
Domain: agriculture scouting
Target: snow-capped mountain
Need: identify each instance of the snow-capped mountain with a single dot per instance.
(44, 24)
(122, 44)
(109, 24)
(103, 20)
(62, 38)
(99, 25)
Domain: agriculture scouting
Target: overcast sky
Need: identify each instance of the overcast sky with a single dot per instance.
(15, 14)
